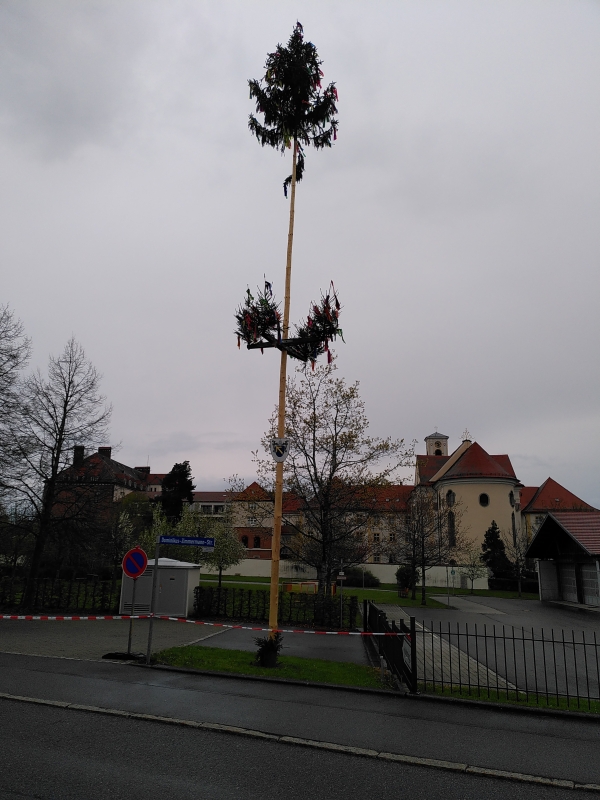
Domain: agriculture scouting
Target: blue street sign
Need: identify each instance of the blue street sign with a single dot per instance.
(207, 543)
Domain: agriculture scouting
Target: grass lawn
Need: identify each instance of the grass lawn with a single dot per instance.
(385, 593)
(514, 698)
(242, 662)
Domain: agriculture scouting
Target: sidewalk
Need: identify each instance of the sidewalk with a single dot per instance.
(92, 639)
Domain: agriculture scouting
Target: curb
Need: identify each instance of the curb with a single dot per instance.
(266, 679)
(507, 708)
(451, 766)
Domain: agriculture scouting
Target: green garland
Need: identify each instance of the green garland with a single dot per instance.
(259, 321)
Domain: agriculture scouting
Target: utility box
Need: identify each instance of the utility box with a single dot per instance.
(174, 591)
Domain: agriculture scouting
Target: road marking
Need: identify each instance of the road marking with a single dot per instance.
(432, 763)
(202, 638)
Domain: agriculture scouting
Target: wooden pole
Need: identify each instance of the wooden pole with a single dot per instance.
(278, 512)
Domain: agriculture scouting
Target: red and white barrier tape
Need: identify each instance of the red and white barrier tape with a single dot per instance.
(48, 618)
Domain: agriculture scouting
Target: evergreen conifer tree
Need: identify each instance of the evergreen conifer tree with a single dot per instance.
(494, 553)
(177, 489)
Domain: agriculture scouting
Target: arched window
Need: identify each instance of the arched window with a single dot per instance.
(257, 541)
(451, 529)
(438, 452)
(245, 541)
(450, 498)
(511, 498)
(484, 499)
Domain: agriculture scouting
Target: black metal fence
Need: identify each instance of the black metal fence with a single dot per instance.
(398, 651)
(555, 669)
(295, 608)
(76, 595)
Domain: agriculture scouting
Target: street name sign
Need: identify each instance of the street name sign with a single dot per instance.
(206, 544)
(135, 562)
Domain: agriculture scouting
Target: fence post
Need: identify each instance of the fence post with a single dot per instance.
(413, 655)
(365, 618)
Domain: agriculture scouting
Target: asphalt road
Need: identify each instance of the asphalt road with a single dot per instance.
(555, 747)
(57, 754)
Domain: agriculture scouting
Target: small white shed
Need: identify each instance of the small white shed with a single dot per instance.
(174, 591)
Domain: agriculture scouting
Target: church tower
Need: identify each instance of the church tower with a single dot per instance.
(437, 444)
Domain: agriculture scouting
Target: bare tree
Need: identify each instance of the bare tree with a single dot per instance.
(429, 533)
(332, 473)
(15, 349)
(58, 412)
(471, 565)
(516, 544)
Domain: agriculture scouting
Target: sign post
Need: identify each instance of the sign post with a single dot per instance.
(206, 544)
(135, 562)
(341, 579)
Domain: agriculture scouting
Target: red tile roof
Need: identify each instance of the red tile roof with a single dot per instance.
(211, 497)
(476, 463)
(253, 492)
(392, 498)
(583, 527)
(551, 496)
(526, 494)
(427, 466)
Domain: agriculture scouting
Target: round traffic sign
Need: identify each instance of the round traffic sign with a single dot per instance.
(135, 562)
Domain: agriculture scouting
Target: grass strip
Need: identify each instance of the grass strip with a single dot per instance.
(217, 659)
(514, 698)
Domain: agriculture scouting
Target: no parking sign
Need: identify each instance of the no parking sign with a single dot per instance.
(135, 562)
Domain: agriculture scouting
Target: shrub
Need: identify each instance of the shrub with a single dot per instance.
(268, 649)
(354, 577)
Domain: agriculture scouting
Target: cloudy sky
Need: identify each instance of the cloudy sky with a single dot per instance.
(458, 214)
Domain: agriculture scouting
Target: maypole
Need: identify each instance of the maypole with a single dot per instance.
(278, 511)
(297, 113)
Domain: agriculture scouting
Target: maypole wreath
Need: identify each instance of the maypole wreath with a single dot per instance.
(259, 325)
(297, 113)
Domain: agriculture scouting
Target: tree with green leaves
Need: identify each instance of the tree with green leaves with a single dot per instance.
(177, 489)
(334, 472)
(494, 552)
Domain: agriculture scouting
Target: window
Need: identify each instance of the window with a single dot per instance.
(438, 452)
(251, 522)
(376, 538)
(450, 498)
(451, 529)
(392, 537)
(511, 499)
(252, 506)
(245, 541)
(257, 541)
(218, 509)
(484, 499)
(206, 509)
(376, 559)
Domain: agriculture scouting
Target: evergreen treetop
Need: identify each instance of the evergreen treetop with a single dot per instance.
(294, 106)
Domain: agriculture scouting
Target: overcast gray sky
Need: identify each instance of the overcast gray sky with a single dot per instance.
(457, 214)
